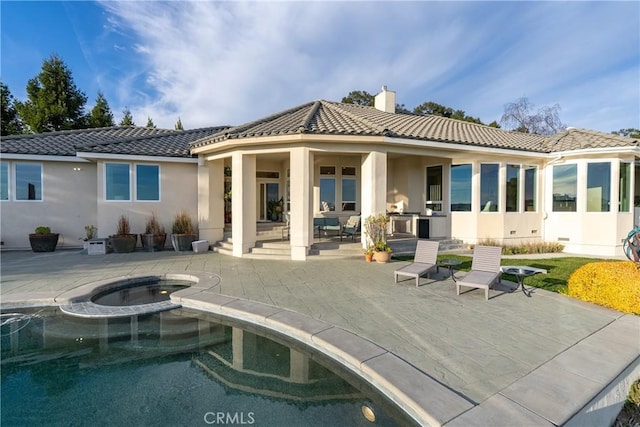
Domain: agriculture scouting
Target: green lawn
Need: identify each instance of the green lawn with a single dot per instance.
(558, 269)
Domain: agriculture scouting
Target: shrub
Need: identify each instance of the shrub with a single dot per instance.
(43, 230)
(123, 226)
(182, 224)
(525, 248)
(91, 231)
(610, 284)
(153, 226)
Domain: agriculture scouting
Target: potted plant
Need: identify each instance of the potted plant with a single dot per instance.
(91, 232)
(368, 253)
(154, 235)
(376, 230)
(43, 240)
(123, 241)
(183, 232)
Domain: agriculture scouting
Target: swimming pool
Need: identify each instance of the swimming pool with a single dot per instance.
(179, 367)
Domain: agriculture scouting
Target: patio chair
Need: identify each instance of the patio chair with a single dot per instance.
(424, 262)
(485, 269)
(351, 227)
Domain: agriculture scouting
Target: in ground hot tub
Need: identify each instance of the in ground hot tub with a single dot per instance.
(133, 295)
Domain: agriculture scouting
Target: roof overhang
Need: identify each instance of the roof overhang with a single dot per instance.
(130, 157)
(42, 158)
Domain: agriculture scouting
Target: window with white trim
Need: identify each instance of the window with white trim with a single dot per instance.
(327, 188)
(461, 188)
(349, 188)
(117, 181)
(148, 182)
(489, 187)
(4, 181)
(28, 181)
(599, 187)
(434, 188)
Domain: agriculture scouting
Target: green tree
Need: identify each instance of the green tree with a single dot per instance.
(494, 124)
(150, 123)
(11, 124)
(54, 102)
(359, 97)
(101, 115)
(433, 109)
(521, 117)
(179, 124)
(127, 118)
(629, 132)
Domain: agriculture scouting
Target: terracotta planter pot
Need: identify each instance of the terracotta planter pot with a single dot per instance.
(43, 242)
(368, 257)
(123, 243)
(182, 242)
(153, 242)
(382, 257)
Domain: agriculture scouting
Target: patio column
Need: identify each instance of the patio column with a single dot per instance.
(211, 199)
(301, 188)
(373, 187)
(243, 202)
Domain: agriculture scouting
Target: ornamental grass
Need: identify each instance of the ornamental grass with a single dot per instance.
(609, 283)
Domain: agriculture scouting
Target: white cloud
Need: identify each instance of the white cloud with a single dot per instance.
(217, 63)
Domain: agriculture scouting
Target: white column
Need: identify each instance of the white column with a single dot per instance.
(211, 200)
(373, 194)
(243, 203)
(301, 187)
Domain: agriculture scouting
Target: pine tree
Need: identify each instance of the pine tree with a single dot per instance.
(127, 119)
(11, 124)
(54, 102)
(150, 123)
(101, 115)
(179, 124)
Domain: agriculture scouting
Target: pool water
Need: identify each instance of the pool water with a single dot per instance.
(151, 290)
(172, 369)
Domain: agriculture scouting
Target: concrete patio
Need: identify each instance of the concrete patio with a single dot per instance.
(545, 360)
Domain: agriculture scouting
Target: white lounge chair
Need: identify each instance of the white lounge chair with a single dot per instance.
(424, 262)
(485, 269)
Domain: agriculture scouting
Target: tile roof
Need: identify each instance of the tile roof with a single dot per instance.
(332, 118)
(116, 140)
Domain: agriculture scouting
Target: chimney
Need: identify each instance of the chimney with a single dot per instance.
(386, 101)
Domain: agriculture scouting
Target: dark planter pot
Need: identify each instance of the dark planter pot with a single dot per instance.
(123, 243)
(153, 242)
(182, 242)
(43, 242)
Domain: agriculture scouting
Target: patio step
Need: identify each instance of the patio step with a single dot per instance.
(272, 248)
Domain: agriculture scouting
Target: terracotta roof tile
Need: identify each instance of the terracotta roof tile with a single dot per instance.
(332, 118)
(116, 140)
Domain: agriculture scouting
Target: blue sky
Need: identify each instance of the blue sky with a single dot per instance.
(215, 63)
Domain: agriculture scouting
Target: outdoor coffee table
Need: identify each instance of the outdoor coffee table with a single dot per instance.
(521, 272)
(450, 263)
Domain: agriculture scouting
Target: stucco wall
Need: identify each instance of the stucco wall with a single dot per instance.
(68, 204)
(178, 192)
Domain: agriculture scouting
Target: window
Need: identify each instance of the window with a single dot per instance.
(4, 181)
(28, 181)
(513, 188)
(530, 189)
(327, 188)
(117, 181)
(348, 188)
(565, 188)
(148, 182)
(624, 198)
(598, 187)
(489, 187)
(434, 188)
(268, 174)
(461, 188)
